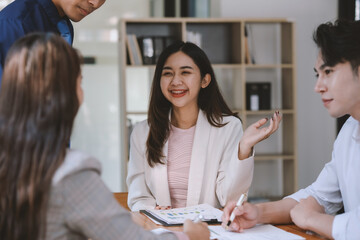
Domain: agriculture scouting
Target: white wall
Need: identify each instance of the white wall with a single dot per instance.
(316, 130)
(97, 127)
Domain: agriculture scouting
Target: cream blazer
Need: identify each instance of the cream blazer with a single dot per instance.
(216, 174)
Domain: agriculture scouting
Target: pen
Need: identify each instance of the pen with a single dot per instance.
(238, 204)
(198, 218)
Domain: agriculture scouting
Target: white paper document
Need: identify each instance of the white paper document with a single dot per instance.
(177, 216)
(264, 232)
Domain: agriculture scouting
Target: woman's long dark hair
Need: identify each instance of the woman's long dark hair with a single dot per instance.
(38, 104)
(210, 100)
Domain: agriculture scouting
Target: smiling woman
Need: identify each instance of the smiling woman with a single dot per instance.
(192, 148)
(180, 83)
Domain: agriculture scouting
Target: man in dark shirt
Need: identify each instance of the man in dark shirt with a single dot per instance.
(25, 16)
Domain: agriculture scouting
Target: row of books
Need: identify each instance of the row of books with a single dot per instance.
(146, 50)
(258, 96)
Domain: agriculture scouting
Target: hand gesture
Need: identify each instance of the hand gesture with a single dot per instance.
(246, 216)
(255, 133)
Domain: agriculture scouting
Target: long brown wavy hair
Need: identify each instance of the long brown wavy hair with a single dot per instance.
(210, 100)
(38, 104)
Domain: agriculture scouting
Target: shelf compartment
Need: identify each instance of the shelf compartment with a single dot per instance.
(281, 142)
(281, 83)
(268, 179)
(229, 81)
(138, 85)
(270, 42)
(220, 40)
(274, 178)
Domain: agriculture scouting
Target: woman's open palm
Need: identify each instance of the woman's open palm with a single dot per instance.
(257, 132)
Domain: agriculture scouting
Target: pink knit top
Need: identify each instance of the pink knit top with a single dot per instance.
(178, 164)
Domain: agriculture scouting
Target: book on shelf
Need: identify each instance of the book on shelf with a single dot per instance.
(159, 46)
(247, 51)
(188, 8)
(128, 62)
(249, 46)
(133, 50)
(152, 46)
(160, 43)
(194, 37)
(147, 50)
(177, 216)
(258, 96)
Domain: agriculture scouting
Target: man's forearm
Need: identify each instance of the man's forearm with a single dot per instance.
(321, 223)
(277, 212)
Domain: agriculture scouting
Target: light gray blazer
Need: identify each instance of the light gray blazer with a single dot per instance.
(82, 207)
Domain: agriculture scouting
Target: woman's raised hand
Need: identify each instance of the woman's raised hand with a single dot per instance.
(256, 132)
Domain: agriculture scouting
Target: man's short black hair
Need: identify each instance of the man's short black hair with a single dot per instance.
(339, 42)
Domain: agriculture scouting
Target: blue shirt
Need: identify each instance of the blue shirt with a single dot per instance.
(25, 16)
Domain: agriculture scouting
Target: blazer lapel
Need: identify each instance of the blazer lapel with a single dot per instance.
(198, 159)
(160, 181)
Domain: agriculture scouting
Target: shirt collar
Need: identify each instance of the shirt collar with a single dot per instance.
(356, 133)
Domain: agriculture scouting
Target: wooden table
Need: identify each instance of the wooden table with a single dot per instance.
(147, 224)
